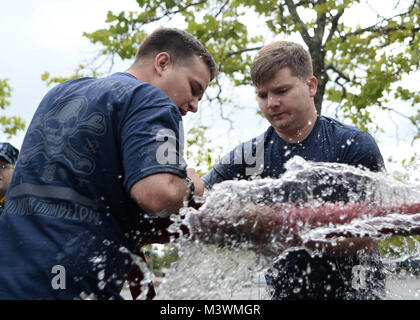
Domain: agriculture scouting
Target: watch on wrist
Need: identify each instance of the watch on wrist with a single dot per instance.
(191, 187)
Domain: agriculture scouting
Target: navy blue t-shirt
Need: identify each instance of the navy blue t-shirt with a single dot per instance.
(69, 225)
(329, 141)
(265, 156)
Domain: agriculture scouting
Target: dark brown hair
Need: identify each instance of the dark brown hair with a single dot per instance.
(277, 55)
(180, 45)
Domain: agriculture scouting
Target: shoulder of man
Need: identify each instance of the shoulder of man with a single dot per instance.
(358, 147)
(345, 133)
(338, 124)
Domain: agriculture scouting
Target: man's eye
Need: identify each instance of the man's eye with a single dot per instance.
(262, 95)
(194, 91)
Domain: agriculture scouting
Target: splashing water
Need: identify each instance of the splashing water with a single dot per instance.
(147, 274)
(244, 224)
(311, 201)
(210, 272)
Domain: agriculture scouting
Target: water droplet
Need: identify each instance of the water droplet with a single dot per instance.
(101, 275)
(296, 290)
(101, 285)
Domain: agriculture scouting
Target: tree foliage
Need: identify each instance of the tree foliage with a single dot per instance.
(9, 125)
(79, 72)
(199, 150)
(398, 246)
(358, 67)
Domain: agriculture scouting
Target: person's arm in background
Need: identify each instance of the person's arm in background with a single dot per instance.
(345, 247)
(364, 152)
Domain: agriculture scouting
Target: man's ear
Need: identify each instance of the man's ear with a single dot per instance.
(162, 62)
(312, 85)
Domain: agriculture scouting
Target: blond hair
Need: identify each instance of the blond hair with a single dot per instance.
(277, 55)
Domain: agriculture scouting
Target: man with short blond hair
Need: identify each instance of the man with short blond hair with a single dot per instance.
(277, 55)
(285, 87)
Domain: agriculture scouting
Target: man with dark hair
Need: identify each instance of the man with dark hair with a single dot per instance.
(178, 44)
(8, 157)
(285, 86)
(99, 157)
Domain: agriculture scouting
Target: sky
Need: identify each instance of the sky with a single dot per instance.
(46, 35)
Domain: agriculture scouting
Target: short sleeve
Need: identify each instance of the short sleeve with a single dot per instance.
(363, 151)
(151, 141)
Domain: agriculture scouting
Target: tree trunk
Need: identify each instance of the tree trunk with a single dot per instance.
(317, 52)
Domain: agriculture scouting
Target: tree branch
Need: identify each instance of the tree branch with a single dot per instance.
(168, 13)
(376, 28)
(376, 12)
(303, 31)
(406, 117)
(339, 72)
(242, 51)
(221, 8)
(334, 24)
(186, 7)
(320, 27)
(343, 89)
(300, 3)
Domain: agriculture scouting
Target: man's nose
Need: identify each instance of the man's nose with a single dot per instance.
(193, 105)
(273, 100)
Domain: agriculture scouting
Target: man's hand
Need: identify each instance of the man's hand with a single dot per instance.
(198, 183)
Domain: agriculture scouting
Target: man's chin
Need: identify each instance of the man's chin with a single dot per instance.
(281, 125)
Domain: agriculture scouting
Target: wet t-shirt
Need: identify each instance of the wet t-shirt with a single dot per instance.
(69, 225)
(265, 156)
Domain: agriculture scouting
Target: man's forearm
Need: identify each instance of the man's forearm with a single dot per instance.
(160, 194)
(163, 194)
(345, 247)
